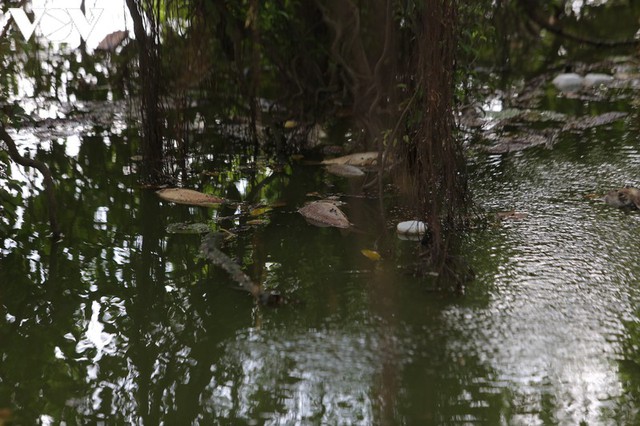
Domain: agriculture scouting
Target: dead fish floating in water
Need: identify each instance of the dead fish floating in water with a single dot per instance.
(189, 197)
(324, 214)
(623, 197)
(345, 170)
(359, 159)
(572, 82)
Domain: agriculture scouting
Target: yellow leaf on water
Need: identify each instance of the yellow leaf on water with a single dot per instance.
(259, 211)
(290, 124)
(371, 254)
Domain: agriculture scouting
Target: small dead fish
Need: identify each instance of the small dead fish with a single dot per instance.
(511, 215)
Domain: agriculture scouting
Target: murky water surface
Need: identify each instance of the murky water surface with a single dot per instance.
(123, 323)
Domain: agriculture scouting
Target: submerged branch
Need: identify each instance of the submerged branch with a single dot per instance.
(49, 187)
(211, 252)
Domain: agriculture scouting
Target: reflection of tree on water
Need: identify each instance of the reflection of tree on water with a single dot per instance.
(49, 188)
(367, 344)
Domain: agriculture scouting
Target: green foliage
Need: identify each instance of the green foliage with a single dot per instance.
(10, 198)
(475, 46)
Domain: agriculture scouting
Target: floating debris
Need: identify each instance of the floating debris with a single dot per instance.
(597, 79)
(583, 123)
(572, 82)
(568, 82)
(324, 214)
(411, 227)
(518, 143)
(189, 197)
(623, 197)
(188, 228)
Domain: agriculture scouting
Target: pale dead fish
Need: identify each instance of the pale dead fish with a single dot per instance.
(189, 197)
(324, 214)
(360, 159)
(345, 170)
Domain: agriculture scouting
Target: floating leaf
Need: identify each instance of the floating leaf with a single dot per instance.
(259, 211)
(361, 159)
(371, 254)
(189, 197)
(324, 214)
(290, 124)
(345, 170)
(188, 228)
(257, 222)
(113, 40)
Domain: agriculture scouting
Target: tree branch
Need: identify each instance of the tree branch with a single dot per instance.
(49, 187)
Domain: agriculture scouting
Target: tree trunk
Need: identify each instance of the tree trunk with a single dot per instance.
(435, 168)
(152, 123)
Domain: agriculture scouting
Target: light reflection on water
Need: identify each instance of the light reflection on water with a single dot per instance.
(537, 339)
(562, 293)
(324, 376)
